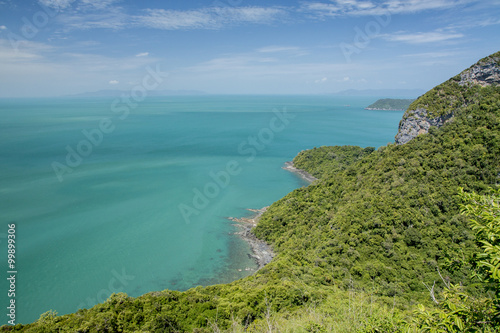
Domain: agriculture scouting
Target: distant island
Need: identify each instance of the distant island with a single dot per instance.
(390, 104)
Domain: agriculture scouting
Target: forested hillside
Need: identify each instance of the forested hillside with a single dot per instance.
(390, 104)
(392, 218)
(358, 249)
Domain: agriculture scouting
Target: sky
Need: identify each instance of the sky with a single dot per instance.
(62, 47)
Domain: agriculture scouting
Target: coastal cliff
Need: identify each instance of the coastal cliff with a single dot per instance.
(485, 72)
(454, 93)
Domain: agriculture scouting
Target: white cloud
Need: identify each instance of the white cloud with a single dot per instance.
(344, 79)
(323, 80)
(113, 82)
(276, 49)
(173, 20)
(365, 7)
(112, 18)
(207, 18)
(252, 66)
(234, 63)
(89, 14)
(428, 55)
(80, 5)
(25, 70)
(421, 37)
(3, 27)
(143, 54)
(22, 51)
(57, 4)
(290, 51)
(96, 4)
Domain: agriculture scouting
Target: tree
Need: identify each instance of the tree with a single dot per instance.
(458, 311)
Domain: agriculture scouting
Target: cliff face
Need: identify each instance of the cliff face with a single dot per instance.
(416, 123)
(418, 118)
(485, 73)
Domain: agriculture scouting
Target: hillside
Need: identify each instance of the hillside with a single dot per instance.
(356, 249)
(439, 105)
(390, 104)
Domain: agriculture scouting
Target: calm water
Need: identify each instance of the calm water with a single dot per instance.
(109, 197)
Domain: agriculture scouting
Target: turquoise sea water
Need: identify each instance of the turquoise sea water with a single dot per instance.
(144, 207)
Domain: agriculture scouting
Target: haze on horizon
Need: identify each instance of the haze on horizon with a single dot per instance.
(61, 47)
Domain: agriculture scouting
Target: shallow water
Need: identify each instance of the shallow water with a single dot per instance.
(144, 207)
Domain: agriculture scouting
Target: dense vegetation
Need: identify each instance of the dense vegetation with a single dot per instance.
(392, 218)
(390, 104)
(324, 161)
(449, 95)
(362, 249)
(457, 310)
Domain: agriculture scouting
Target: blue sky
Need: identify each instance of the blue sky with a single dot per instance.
(60, 47)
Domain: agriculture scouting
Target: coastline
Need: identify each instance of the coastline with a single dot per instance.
(262, 252)
(302, 173)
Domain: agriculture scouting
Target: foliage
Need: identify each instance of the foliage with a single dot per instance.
(450, 96)
(324, 161)
(458, 311)
(390, 104)
(354, 247)
(495, 57)
(392, 216)
(444, 99)
(486, 223)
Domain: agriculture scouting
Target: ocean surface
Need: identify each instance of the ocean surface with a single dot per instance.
(113, 196)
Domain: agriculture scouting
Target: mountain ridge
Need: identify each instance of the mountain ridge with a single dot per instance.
(455, 92)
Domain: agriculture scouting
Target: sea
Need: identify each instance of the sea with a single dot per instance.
(109, 195)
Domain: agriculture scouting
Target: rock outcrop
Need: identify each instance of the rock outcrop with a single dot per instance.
(416, 123)
(417, 119)
(485, 73)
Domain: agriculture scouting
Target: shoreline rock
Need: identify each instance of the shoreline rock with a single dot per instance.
(302, 173)
(261, 251)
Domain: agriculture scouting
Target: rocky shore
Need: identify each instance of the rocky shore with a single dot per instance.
(261, 251)
(303, 174)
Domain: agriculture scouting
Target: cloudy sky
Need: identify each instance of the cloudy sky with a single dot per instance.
(60, 47)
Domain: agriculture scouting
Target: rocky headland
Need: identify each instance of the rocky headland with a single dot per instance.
(418, 118)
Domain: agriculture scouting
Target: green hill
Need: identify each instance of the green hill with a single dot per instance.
(357, 249)
(390, 104)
